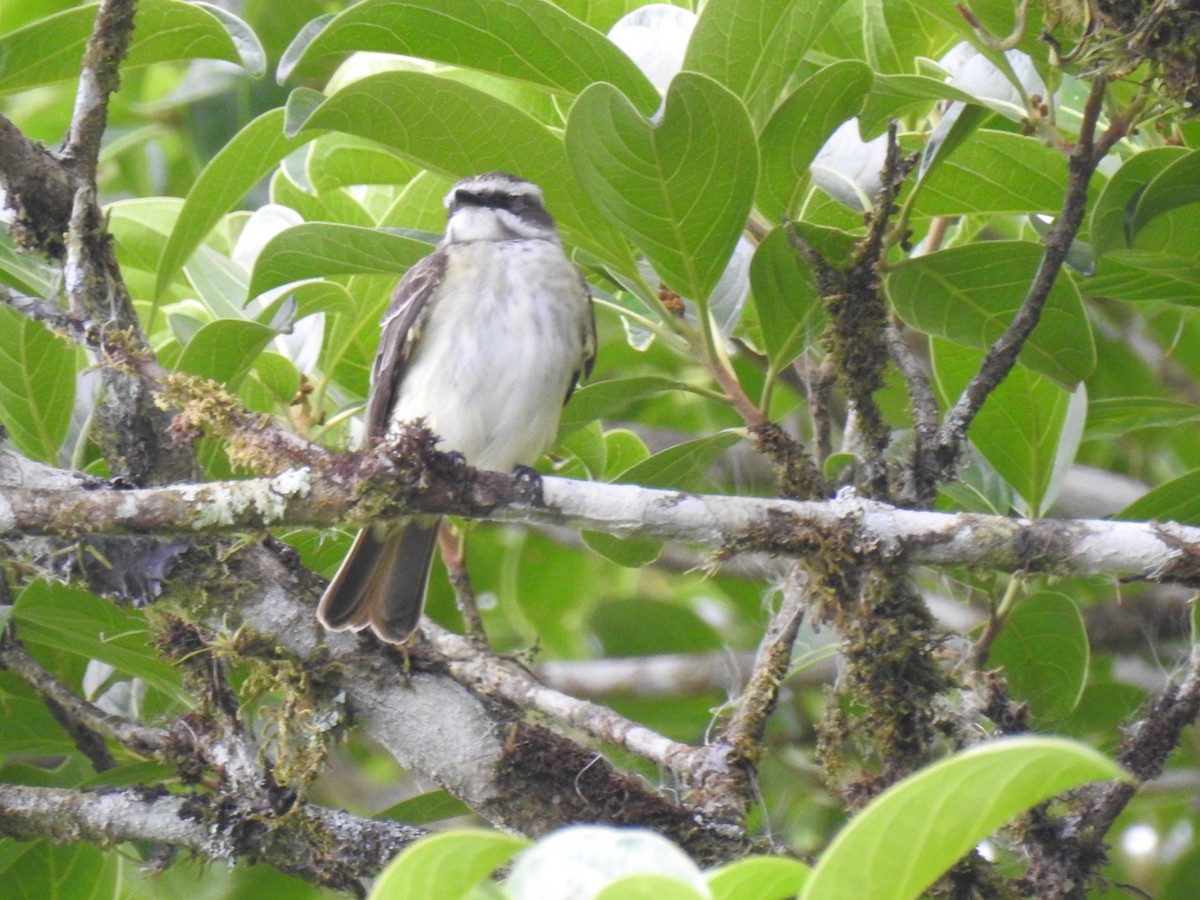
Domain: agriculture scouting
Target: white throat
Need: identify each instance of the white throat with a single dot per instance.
(481, 223)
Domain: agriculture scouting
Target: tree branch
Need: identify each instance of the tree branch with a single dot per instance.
(1065, 853)
(213, 827)
(37, 189)
(385, 486)
(468, 737)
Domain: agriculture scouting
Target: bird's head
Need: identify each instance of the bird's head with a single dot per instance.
(497, 206)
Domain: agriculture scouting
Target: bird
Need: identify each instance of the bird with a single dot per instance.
(485, 340)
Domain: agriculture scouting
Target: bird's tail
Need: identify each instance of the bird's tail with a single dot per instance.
(381, 582)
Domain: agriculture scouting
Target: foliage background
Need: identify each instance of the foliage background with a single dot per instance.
(223, 189)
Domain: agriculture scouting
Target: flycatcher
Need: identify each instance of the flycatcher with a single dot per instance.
(485, 339)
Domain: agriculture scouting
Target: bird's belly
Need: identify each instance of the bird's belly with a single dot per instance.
(491, 371)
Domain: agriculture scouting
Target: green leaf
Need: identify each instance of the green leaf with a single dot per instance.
(339, 160)
(761, 877)
(606, 398)
(905, 838)
(1175, 231)
(11, 852)
(891, 95)
(446, 865)
(528, 40)
(239, 165)
(1028, 429)
(332, 206)
(971, 293)
(225, 350)
(799, 128)
(1178, 500)
(1114, 417)
(1178, 184)
(420, 204)
(456, 131)
(648, 887)
(894, 32)
(995, 15)
(1043, 648)
(50, 49)
(272, 384)
(1182, 874)
(37, 386)
(218, 282)
(1112, 213)
(589, 448)
(682, 187)
(978, 489)
(140, 227)
(790, 312)
(623, 450)
(632, 553)
(86, 626)
(836, 465)
(535, 573)
(995, 172)
(433, 806)
(308, 298)
(1146, 275)
(682, 467)
(938, 149)
(752, 46)
(300, 105)
(25, 272)
(29, 728)
(318, 250)
(71, 872)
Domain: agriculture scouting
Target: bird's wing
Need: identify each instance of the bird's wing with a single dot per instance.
(400, 328)
(588, 337)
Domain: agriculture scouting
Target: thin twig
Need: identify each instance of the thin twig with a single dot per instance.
(130, 428)
(84, 721)
(722, 672)
(742, 735)
(99, 78)
(732, 389)
(858, 317)
(1002, 355)
(500, 677)
(450, 544)
(50, 315)
(820, 380)
(921, 490)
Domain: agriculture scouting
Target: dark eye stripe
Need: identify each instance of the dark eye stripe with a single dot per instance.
(491, 200)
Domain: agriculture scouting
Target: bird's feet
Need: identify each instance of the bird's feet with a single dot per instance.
(529, 484)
